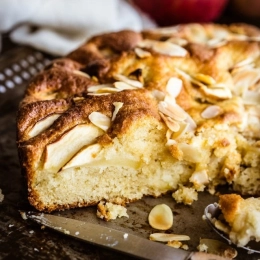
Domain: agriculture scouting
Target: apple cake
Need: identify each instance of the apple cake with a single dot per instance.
(131, 114)
(242, 217)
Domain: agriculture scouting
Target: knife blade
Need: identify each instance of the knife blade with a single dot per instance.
(114, 239)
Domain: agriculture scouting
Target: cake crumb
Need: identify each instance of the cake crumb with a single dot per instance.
(23, 215)
(202, 248)
(67, 232)
(174, 243)
(185, 247)
(1, 196)
(108, 211)
(185, 195)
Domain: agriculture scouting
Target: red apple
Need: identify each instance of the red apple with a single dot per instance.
(169, 12)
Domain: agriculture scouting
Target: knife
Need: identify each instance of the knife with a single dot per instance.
(114, 239)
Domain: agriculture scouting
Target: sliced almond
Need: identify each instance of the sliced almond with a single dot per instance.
(196, 33)
(142, 53)
(183, 74)
(170, 49)
(80, 73)
(254, 38)
(60, 152)
(131, 82)
(251, 98)
(166, 48)
(162, 237)
(236, 70)
(158, 95)
(122, 85)
(220, 33)
(256, 87)
(178, 41)
(216, 247)
(183, 127)
(100, 120)
(245, 79)
(243, 63)
(216, 42)
(103, 88)
(43, 124)
(211, 112)
(169, 99)
(161, 217)
(168, 138)
(191, 123)
(253, 110)
(165, 30)
(172, 110)
(174, 86)
(170, 142)
(172, 124)
(221, 93)
(84, 156)
(117, 106)
(108, 90)
(99, 94)
(205, 78)
(237, 37)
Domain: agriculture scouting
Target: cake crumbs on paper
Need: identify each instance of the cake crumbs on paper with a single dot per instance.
(1, 196)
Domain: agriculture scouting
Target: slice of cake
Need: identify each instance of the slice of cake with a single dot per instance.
(131, 114)
(243, 216)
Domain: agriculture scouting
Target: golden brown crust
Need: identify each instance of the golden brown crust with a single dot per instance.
(112, 43)
(229, 204)
(57, 83)
(28, 115)
(137, 103)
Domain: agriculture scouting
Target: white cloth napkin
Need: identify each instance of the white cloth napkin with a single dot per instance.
(60, 26)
